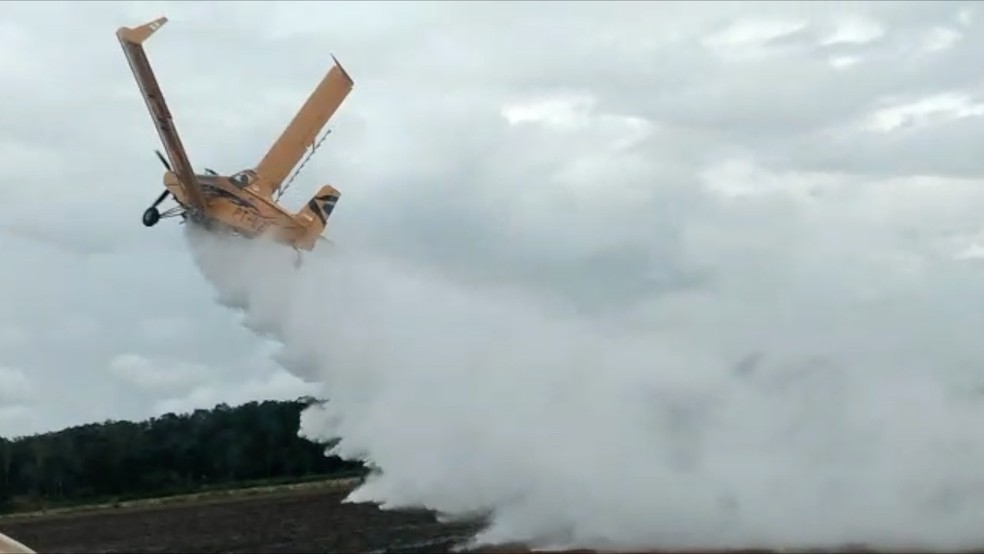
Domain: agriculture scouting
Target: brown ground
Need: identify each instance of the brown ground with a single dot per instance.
(305, 520)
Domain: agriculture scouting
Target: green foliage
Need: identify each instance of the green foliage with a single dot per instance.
(170, 454)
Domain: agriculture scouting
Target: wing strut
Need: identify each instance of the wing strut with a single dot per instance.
(132, 42)
(297, 172)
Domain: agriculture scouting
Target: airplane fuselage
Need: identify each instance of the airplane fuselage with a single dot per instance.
(232, 205)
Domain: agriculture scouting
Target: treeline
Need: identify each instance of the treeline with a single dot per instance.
(170, 454)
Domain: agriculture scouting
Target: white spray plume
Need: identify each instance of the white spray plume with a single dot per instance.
(830, 395)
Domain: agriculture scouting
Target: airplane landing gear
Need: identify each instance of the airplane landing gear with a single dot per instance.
(151, 216)
(298, 261)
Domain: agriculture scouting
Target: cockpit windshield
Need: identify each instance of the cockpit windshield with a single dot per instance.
(242, 178)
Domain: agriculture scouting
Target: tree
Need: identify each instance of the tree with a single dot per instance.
(169, 454)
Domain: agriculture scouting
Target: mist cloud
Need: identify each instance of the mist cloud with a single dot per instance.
(812, 390)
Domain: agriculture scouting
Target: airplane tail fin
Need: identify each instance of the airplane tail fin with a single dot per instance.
(314, 215)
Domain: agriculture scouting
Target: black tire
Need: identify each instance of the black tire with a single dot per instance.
(151, 216)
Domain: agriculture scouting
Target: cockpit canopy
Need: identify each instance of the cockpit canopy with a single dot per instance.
(243, 178)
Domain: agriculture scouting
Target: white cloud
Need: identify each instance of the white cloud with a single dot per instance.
(937, 108)
(279, 385)
(750, 38)
(165, 328)
(965, 16)
(565, 113)
(754, 31)
(854, 30)
(741, 177)
(15, 386)
(841, 62)
(941, 38)
(17, 420)
(154, 375)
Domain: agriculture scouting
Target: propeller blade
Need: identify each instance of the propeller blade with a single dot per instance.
(161, 197)
(163, 159)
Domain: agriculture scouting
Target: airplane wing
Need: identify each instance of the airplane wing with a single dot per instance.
(303, 129)
(10, 546)
(132, 41)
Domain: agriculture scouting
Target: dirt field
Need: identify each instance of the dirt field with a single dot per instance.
(308, 519)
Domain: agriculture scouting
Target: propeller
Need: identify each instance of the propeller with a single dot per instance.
(163, 159)
(168, 167)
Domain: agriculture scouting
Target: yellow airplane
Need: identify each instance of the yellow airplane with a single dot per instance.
(241, 204)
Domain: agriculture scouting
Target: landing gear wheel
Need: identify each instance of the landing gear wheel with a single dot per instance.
(151, 216)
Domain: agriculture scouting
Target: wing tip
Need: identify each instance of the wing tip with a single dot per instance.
(345, 73)
(137, 35)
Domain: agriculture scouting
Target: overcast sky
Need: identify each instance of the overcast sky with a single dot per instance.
(563, 147)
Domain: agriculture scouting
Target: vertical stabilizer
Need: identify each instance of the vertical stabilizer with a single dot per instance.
(314, 215)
